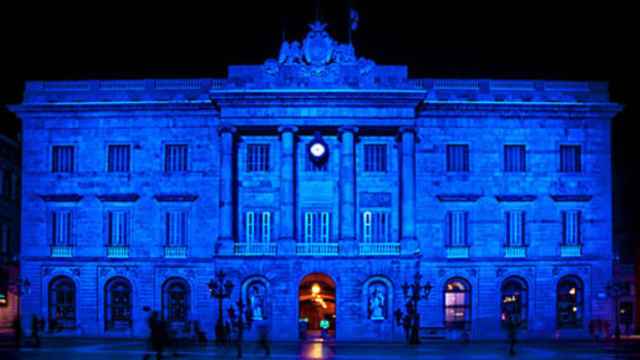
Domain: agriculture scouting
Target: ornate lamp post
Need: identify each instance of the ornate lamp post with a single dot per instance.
(220, 289)
(413, 293)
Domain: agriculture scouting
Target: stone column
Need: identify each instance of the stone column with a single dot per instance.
(287, 239)
(348, 244)
(408, 242)
(225, 229)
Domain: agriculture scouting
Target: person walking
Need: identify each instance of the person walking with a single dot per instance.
(17, 331)
(35, 331)
(512, 328)
(263, 338)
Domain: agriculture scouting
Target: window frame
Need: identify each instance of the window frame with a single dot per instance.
(466, 158)
(74, 152)
(522, 166)
(166, 154)
(130, 158)
(523, 302)
(128, 211)
(266, 165)
(467, 306)
(449, 226)
(578, 303)
(68, 322)
(109, 321)
(579, 226)
(376, 169)
(523, 228)
(579, 163)
(324, 234)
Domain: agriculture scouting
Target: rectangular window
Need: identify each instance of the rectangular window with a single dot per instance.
(515, 228)
(118, 227)
(317, 226)
(514, 158)
(457, 228)
(119, 158)
(176, 228)
(257, 157)
(571, 221)
(458, 158)
(376, 226)
(570, 160)
(375, 157)
(175, 158)
(258, 226)
(62, 159)
(61, 228)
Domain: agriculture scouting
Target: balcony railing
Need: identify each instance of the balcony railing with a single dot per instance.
(570, 250)
(117, 252)
(317, 249)
(175, 252)
(62, 251)
(458, 252)
(515, 252)
(255, 249)
(367, 249)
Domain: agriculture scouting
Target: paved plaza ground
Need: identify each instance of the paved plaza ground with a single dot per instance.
(134, 349)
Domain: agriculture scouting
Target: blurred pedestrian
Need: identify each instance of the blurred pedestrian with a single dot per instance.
(17, 331)
(35, 330)
(263, 337)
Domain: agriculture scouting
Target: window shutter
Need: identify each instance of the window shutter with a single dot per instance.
(447, 229)
(523, 233)
(467, 238)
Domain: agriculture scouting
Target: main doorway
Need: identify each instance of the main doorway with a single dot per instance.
(317, 304)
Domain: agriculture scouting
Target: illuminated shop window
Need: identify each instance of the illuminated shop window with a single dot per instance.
(514, 301)
(457, 304)
(569, 302)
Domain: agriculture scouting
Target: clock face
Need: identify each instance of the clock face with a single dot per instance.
(317, 150)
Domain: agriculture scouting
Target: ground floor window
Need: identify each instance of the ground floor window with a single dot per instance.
(457, 303)
(62, 303)
(118, 304)
(175, 300)
(569, 302)
(514, 301)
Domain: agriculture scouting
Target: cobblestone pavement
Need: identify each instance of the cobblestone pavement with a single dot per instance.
(118, 349)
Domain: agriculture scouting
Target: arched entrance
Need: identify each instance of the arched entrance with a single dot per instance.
(316, 302)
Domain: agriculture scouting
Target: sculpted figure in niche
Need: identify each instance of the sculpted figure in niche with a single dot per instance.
(377, 294)
(256, 301)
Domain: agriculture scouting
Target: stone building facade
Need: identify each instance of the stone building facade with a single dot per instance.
(320, 183)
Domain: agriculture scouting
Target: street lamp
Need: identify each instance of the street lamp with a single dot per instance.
(413, 293)
(220, 289)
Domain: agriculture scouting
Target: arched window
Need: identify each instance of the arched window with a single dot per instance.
(175, 300)
(117, 304)
(457, 303)
(514, 303)
(62, 303)
(569, 302)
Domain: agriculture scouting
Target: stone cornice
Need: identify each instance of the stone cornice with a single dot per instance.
(525, 110)
(516, 198)
(118, 197)
(458, 197)
(61, 197)
(175, 197)
(571, 197)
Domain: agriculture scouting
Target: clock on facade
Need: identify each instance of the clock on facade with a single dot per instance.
(318, 149)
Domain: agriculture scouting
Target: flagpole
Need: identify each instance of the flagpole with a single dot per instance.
(349, 9)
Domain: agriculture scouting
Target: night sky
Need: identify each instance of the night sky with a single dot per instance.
(544, 41)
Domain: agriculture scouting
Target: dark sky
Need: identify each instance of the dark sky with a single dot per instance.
(546, 41)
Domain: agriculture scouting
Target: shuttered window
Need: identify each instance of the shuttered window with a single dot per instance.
(176, 228)
(257, 226)
(571, 224)
(375, 157)
(61, 227)
(376, 226)
(62, 159)
(515, 228)
(458, 158)
(514, 158)
(118, 227)
(175, 158)
(317, 226)
(119, 158)
(257, 157)
(457, 228)
(570, 158)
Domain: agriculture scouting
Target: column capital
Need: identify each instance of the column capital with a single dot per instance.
(226, 128)
(348, 128)
(407, 129)
(288, 128)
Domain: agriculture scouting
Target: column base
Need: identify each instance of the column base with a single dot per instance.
(224, 247)
(409, 246)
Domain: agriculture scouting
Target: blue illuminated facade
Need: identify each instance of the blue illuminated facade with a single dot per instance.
(135, 192)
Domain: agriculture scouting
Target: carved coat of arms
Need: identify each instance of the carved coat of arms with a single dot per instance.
(318, 45)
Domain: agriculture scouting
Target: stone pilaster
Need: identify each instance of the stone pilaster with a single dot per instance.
(224, 245)
(408, 242)
(348, 243)
(287, 240)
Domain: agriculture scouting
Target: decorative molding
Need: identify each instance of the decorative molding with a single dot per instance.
(175, 197)
(375, 199)
(571, 198)
(61, 197)
(458, 197)
(118, 197)
(287, 128)
(226, 128)
(515, 198)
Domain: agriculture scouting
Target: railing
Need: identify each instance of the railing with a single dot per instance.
(117, 251)
(458, 252)
(570, 250)
(62, 251)
(175, 252)
(367, 249)
(515, 252)
(317, 249)
(255, 249)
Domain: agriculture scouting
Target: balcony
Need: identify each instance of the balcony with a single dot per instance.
(175, 252)
(255, 249)
(377, 249)
(458, 252)
(317, 249)
(62, 251)
(118, 252)
(570, 250)
(515, 252)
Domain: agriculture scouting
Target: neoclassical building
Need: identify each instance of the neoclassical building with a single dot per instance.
(320, 183)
